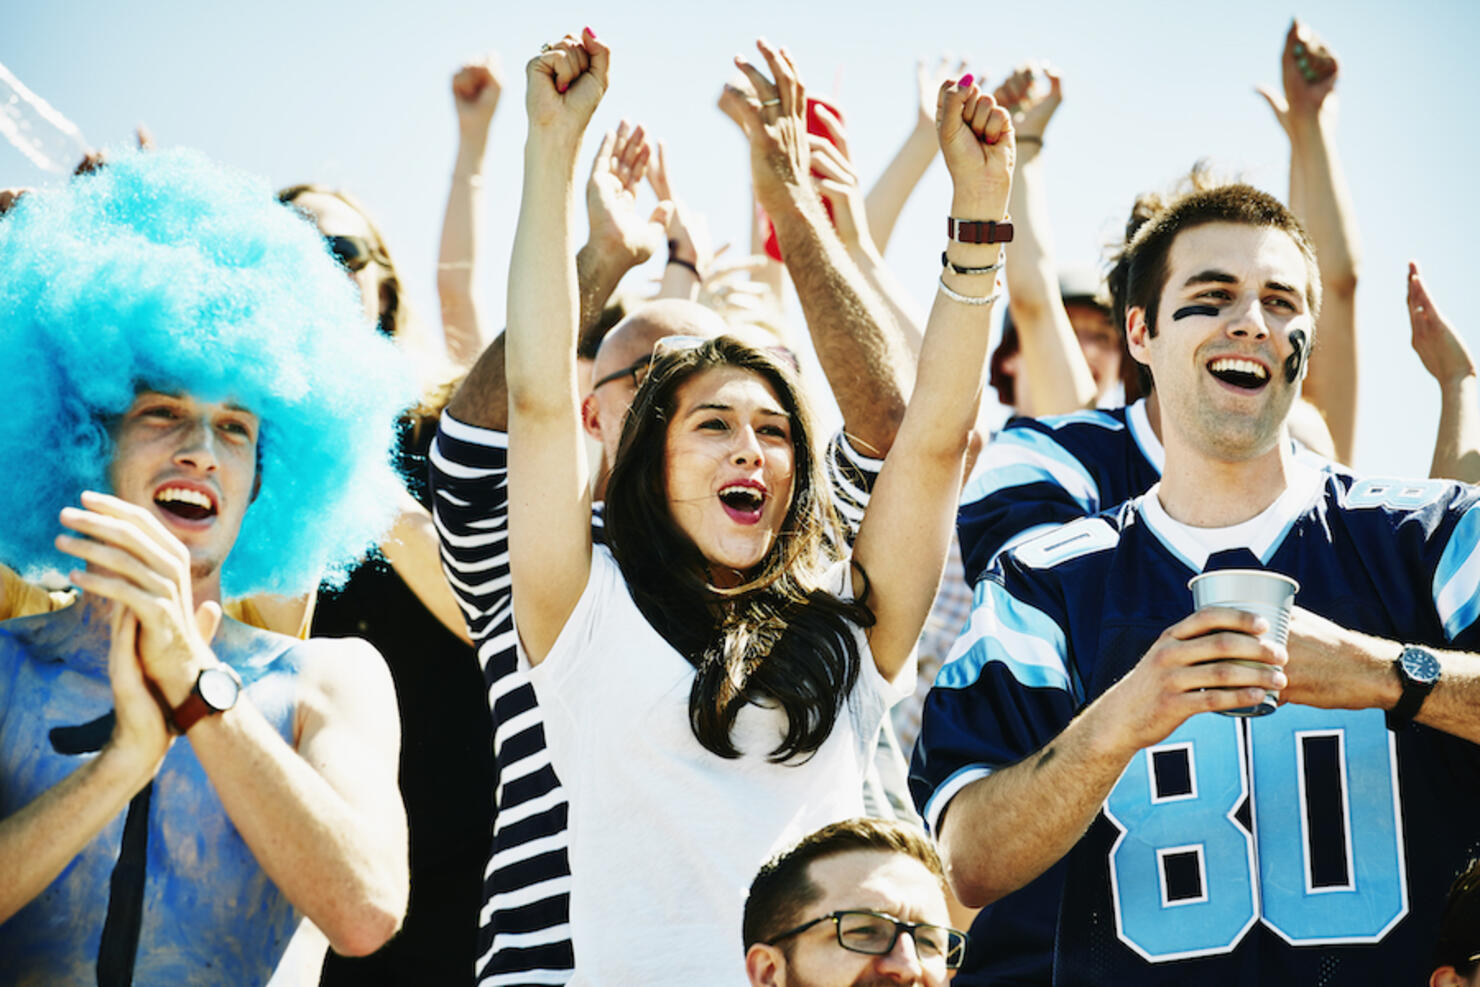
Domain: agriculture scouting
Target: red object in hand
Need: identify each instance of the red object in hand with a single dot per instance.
(814, 126)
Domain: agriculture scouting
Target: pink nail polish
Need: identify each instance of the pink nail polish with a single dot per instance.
(966, 80)
(590, 32)
(560, 89)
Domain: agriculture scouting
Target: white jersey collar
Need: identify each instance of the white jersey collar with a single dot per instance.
(1261, 534)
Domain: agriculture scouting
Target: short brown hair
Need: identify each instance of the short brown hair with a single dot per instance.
(1146, 254)
(1459, 929)
(783, 888)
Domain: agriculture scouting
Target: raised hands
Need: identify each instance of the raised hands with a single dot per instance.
(475, 92)
(1309, 70)
(1441, 349)
(773, 115)
(1030, 104)
(621, 234)
(566, 81)
(929, 77)
(837, 182)
(976, 139)
(687, 233)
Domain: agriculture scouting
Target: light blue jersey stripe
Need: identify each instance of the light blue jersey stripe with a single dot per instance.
(1019, 456)
(1457, 579)
(1004, 629)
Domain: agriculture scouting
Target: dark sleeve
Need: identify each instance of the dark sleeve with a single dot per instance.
(1026, 482)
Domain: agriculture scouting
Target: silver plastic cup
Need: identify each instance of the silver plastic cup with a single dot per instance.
(1268, 594)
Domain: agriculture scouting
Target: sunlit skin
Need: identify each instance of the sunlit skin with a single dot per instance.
(729, 430)
(334, 217)
(167, 442)
(892, 883)
(1256, 279)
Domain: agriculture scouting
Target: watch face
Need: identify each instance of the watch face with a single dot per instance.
(218, 688)
(1420, 665)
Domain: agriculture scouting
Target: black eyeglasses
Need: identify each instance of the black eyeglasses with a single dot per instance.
(875, 933)
(356, 252)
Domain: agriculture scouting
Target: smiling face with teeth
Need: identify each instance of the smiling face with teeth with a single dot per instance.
(193, 464)
(729, 463)
(1233, 295)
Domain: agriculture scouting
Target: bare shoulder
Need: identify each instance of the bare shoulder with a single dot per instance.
(338, 681)
(345, 679)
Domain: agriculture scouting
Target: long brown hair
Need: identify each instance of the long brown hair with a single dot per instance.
(780, 639)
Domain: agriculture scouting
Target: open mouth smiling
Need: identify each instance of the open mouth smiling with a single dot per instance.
(1246, 375)
(743, 502)
(186, 503)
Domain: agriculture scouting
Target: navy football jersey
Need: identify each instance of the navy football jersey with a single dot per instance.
(1040, 472)
(1309, 846)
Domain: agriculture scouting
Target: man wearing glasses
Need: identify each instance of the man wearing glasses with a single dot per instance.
(858, 902)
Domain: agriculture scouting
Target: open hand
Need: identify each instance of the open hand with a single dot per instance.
(618, 230)
(773, 115)
(1441, 349)
(838, 182)
(929, 77)
(687, 233)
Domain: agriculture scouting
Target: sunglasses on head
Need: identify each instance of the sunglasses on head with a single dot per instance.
(638, 369)
(356, 252)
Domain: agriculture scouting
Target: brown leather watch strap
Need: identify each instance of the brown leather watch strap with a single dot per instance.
(978, 230)
(225, 686)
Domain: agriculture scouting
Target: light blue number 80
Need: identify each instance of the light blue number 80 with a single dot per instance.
(1200, 826)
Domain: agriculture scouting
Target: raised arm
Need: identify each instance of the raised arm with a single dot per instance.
(1059, 378)
(906, 531)
(837, 183)
(856, 341)
(1448, 360)
(690, 253)
(885, 201)
(1319, 198)
(619, 239)
(549, 486)
(475, 93)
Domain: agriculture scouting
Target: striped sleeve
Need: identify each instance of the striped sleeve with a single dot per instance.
(524, 924)
(1027, 482)
(1006, 690)
(851, 475)
(1457, 579)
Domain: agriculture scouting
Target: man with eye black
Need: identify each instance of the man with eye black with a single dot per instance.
(1078, 722)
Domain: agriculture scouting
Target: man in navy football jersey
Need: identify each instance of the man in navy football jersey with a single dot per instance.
(1077, 719)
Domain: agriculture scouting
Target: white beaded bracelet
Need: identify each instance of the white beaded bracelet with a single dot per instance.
(956, 296)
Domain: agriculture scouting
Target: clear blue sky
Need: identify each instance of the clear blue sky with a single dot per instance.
(357, 96)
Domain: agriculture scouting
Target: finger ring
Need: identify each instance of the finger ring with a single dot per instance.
(771, 102)
(545, 47)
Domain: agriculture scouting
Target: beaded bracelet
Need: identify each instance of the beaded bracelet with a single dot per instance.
(956, 296)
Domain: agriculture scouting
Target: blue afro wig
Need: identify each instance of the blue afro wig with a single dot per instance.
(167, 272)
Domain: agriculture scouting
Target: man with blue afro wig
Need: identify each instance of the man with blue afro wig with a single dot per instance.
(196, 407)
